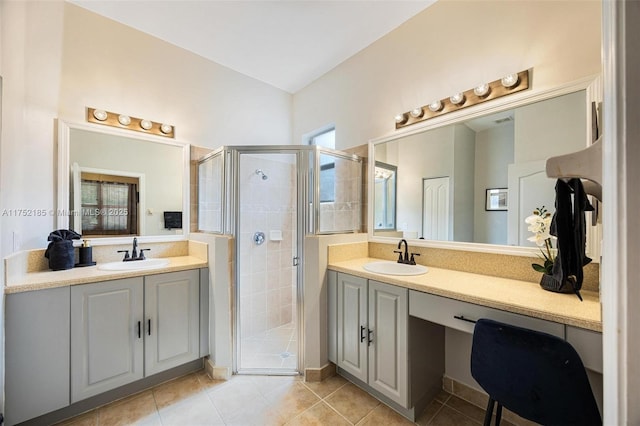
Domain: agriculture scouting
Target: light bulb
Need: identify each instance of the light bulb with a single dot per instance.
(100, 114)
(435, 106)
(457, 99)
(481, 90)
(510, 80)
(417, 112)
(401, 118)
(166, 128)
(145, 124)
(125, 120)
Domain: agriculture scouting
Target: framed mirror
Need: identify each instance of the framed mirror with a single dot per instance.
(470, 180)
(115, 184)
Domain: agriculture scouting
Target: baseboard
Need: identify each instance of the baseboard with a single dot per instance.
(216, 372)
(319, 374)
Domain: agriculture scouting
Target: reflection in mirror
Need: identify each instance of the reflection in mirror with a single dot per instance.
(444, 173)
(122, 186)
(340, 189)
(385, 196)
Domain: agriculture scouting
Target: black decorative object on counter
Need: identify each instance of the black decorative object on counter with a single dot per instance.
(548, 282)
(60, 251)
(85, 255)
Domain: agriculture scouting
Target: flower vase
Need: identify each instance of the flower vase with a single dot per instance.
(548, 282)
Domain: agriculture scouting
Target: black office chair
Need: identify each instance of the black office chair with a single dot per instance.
(536, 375)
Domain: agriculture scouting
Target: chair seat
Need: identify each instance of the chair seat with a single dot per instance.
(536, 375)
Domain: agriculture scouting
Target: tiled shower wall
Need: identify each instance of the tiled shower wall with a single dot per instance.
(267, 276)
(345, 212)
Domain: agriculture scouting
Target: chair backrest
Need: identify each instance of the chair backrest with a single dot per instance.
(536, 375)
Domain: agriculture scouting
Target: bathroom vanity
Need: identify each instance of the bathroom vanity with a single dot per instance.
(78, 338)
(387, 332)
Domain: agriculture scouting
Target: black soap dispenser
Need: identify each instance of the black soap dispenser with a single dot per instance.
(85, 254)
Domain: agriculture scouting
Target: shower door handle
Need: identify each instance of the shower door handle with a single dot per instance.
(296, 260)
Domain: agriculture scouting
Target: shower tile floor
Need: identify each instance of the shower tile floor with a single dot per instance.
(276, 348)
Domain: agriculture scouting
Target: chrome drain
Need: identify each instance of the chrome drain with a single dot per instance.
(284, 355)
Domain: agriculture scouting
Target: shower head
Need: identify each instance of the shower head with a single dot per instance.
(260, 173)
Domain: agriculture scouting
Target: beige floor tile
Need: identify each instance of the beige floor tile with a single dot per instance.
(194, 410)
(327, 386)
(466, 408)
(207, 382)
(430, 411)
(177, 390)
(442, 396)
(352, 402)
(237, 398)
(383, 415)
(450, 417)
(139, 409)
(319, 415)
(289, 401)
(269, 384)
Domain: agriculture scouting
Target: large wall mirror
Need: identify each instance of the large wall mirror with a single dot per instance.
(476, 178)
(115, 184)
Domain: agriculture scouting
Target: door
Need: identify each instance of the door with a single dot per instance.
(388, 316)
(268, 235)
(172, 321)
(106, 336)
(352, 325)
(435, 209)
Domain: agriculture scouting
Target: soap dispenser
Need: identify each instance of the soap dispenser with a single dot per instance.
(85, 254)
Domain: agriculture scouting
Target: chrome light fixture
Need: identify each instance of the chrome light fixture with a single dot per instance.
(507, 85)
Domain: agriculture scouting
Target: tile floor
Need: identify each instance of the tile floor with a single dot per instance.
(196, 399)
(272, 349)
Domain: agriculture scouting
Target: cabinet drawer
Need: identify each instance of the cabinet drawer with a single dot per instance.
(588, 344)
(442, 310)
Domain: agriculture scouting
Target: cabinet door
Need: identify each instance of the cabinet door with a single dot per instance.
(172, 320)
(388, 318)
(37, 353)
(332, 320)
(106, 347)
(352, 325)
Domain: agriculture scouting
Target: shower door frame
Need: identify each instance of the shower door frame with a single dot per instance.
(302, 198)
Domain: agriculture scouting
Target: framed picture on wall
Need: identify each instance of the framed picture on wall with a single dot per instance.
(496, 199)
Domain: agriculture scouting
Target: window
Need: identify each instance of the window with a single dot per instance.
(109, 204)
(325, 138)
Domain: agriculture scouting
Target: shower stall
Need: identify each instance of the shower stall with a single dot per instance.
(269, 198)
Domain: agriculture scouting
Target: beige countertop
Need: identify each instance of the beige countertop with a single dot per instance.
(50, 279)
(510, 295)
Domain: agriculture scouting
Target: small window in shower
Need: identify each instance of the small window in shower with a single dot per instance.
(325, 138)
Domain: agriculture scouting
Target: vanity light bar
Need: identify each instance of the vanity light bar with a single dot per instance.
(507, 85)
(122, 121)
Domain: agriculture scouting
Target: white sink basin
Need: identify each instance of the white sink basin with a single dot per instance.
(395, 268)
(134, 265)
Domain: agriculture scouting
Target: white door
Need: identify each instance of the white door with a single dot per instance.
(172, 320)
(435, 209)
(106, 336)
(388, 324)
(352, 325)
(529, 188)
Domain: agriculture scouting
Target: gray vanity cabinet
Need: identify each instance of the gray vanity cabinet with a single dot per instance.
(36, 353)
(107, 336)
(127, 329)
(372, 329)
(172, 320)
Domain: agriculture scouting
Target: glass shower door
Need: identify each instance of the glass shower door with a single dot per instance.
(267, 232)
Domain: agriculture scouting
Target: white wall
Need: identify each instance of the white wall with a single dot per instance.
(494, 151)
(464, 152)
(57, 59)
(424, 60)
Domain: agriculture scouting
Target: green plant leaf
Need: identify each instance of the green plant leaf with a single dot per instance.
(539, 268)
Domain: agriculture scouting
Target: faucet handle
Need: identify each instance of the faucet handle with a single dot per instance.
(399, 255)
(413, 261)
(142, 253)
(126, 254)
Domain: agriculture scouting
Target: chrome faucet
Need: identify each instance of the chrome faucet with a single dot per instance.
(403, 257)
(134, 252)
